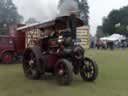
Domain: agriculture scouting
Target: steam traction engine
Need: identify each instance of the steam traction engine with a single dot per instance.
(57, 51)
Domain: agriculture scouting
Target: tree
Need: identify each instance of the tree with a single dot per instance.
(8, 15)
(99, 32)
(84, 10)
(31, 21)
(116, 17)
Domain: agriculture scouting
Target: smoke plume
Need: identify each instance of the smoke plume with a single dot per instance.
(66, 7)
(41, 10)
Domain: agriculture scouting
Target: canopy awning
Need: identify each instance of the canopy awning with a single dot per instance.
(114, 37)
(59, 23)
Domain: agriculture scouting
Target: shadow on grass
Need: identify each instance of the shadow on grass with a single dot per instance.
(52, 80)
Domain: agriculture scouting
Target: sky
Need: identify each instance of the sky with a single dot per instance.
(43, 10)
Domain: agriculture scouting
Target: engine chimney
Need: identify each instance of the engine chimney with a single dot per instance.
(72, 25)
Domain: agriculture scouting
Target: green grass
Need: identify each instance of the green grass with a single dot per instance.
(112, 79)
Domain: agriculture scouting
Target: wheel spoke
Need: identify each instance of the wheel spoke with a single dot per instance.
(92, 72)
(87, 64)
(92, 67)
(88, 74)
(29, 70)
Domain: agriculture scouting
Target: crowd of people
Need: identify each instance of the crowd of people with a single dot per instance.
(111, 44)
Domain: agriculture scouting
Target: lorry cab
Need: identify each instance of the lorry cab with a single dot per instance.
(6, 42)
(12, 45)
(7, 48)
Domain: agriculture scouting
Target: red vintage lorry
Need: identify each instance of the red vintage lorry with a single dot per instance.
(12, 45)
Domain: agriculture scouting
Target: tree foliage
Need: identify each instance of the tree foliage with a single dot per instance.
(8, 15)
(116, 17)
(84, 10)
(99, 32)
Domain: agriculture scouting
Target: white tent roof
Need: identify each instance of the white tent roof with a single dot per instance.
(114, 37)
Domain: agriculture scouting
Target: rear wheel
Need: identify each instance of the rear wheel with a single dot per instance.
(7, 58)
(64, 72)
(30, 66)
(89, 70)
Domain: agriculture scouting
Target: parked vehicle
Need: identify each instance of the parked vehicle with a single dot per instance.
(100, 44)
(58, 52)
(12, 46)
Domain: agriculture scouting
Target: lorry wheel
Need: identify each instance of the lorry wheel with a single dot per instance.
(29, 65)
(64, 72)
(89, 70)
(7, 58)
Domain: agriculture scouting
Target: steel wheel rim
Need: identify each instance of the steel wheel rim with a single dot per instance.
(29, 62)
(88, 69)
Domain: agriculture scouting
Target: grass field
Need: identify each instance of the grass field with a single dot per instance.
(112, 79)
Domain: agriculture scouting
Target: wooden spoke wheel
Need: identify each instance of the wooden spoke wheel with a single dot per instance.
(89, 70)
(29, 65)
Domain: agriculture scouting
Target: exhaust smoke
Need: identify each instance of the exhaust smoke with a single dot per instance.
(67, 7)
(70, 8)
(41, 10)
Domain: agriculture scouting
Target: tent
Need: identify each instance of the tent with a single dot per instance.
(114, 37)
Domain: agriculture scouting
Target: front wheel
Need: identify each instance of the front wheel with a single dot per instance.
(89, 70)
(64, 72)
